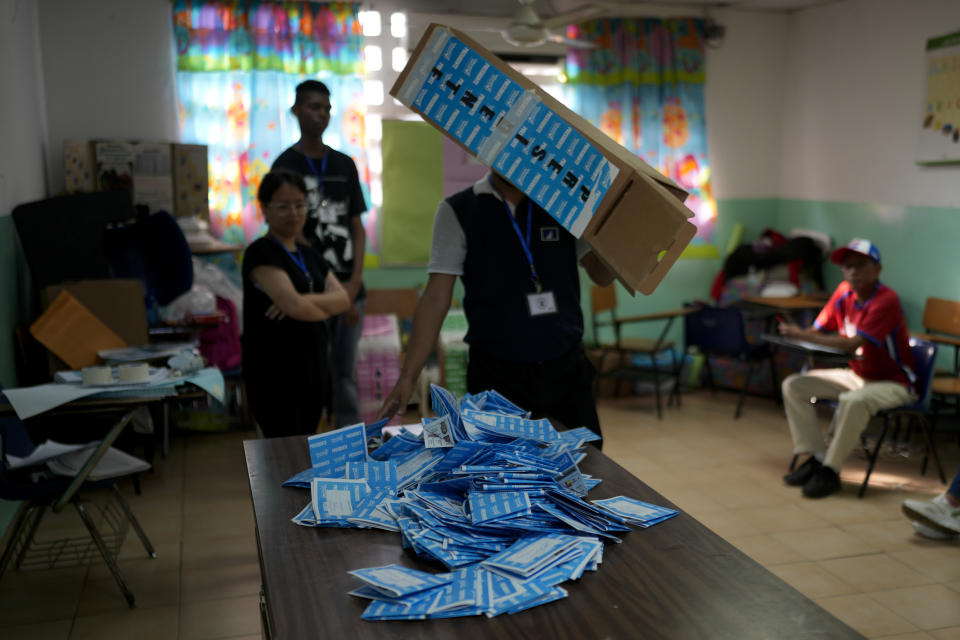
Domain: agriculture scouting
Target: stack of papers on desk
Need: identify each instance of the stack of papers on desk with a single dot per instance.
(502, 508)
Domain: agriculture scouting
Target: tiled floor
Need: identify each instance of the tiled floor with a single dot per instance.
(857, 558)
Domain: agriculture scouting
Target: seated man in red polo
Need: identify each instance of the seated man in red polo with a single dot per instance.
(864, 318)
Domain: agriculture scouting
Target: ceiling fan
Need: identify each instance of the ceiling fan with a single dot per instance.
(527, 29)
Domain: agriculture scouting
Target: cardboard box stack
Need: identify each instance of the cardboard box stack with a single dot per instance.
(631, 215)
(378, 364)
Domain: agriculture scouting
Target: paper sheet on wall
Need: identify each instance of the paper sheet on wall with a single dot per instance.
(412, 189)
(939, 140)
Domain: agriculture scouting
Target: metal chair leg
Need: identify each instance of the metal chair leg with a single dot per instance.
(656, 385)
(19, 523)
(133, 521)
(105, 552)
(40, 511)
(931, 450)
(873, 456)
(743, 390)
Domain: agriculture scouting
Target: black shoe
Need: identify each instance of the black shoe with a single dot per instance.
(824, 482)
(799, 476)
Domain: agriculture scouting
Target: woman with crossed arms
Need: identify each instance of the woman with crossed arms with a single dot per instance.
(288, 291)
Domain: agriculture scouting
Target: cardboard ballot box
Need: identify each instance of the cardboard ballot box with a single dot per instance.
(631, 215)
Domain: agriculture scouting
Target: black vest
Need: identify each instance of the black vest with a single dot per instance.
(496, 280)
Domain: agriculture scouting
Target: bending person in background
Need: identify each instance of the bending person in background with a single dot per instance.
(334, 228)
(938, 518)
(521, 298)
(864, 318)
(289, 292)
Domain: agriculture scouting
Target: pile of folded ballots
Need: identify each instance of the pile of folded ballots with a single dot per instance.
(493, 495)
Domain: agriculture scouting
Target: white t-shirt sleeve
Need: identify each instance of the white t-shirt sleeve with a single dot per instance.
(448, 250)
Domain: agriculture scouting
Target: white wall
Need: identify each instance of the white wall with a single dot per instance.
(855, 101)
(108, 73)
(745, 97)
(21, 106)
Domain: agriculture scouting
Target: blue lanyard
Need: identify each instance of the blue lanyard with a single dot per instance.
(323, 168)
(524, 242)
(297, 260)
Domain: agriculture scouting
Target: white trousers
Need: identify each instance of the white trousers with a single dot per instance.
(857, 398)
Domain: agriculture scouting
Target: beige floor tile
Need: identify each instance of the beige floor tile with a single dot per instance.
(866, 615)
(812, 580)
(951, 633)
(939, 561)
(846, 508)
(200, 506)
(821, 544)
(926, 607)
(888, 535)
(781, 517)
(154, 589)
(211, 583)
(215, 552)
(874, 572)
(133, 560)
(42, 599)
(766, 550)
(224, 618)
(916, 635)
(157, 623)
(228, 522)
(56, 630)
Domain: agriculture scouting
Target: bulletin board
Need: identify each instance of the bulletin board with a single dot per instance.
(940, 131)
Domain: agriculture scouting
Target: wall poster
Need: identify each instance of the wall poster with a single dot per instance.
(940, 132)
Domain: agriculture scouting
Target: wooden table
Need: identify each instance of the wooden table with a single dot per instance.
(675, 580)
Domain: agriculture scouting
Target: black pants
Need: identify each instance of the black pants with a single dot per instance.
(560, 389)
(283, 409)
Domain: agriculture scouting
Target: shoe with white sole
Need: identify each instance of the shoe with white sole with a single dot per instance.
(931, 533)
(937, 514)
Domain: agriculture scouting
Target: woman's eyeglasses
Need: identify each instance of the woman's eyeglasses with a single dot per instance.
(288, 208)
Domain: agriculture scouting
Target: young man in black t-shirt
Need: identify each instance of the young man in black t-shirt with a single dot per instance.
(334, 228)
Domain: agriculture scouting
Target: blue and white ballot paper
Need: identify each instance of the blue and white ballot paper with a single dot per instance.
(508, 128)
(500, 504)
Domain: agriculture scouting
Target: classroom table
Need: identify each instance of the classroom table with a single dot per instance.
(675, 580)
(812, 350)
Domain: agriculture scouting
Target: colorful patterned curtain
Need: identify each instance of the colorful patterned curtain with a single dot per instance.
(238, 63)
(643, 86)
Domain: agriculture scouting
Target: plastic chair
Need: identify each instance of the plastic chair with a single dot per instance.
(41, 490)
(941, 324)
(924, 360)
(720, 331)
(603, 300)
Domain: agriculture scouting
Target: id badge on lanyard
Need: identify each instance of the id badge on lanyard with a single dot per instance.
(539, 303)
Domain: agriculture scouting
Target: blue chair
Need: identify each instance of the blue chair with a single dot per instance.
(40, 490)
(721, 332)
(924, 361)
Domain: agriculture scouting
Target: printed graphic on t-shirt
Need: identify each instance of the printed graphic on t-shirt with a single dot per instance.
(331, 223)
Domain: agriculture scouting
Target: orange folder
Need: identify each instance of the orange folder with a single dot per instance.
(73, 333)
